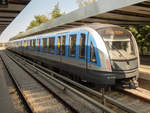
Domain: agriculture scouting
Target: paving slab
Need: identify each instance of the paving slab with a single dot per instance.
(145, 72)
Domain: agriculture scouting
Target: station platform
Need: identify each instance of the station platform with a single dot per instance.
(145, 67)
(144, 72)
(6, 105)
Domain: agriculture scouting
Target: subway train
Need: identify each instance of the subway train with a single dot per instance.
(102, 54)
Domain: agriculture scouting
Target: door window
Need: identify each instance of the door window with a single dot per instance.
(44, 40)
(33, 43)
(30, 43)
(38, 44)
(92, 54)
(58, 45)
(82, 45)
(51, 45)
(72, 45)
(63, 45)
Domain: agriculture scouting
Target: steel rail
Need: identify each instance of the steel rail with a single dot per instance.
(63, 86)
(17, 86)
(91, 91)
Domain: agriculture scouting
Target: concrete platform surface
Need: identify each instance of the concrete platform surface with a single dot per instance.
(145, 72)
(6, 105)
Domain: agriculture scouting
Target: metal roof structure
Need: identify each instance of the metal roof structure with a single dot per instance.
(7, 14)
(120, 12)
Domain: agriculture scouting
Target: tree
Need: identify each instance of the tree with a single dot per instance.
(56, 12)
(82, 3)
(142, 35)
(15, 37)
(38, 20)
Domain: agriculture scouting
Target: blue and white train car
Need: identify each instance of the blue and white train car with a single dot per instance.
(100, 53)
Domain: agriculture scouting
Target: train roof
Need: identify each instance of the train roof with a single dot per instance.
(87, 27)
(99, 25)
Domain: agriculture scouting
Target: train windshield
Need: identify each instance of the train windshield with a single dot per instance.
(118, 42)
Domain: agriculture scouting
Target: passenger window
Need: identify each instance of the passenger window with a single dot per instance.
(72, 45)
(58, 45)
(30, 43)
(92, 54)
(21, 43)
(38, 44)
(51, 45)
(63, 45)
(33, 43)
(26, 43)
(82, 45)
(44, 44)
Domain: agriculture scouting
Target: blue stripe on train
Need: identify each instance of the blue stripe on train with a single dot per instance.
(89, 37)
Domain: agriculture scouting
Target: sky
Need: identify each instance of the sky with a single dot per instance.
(35, 7)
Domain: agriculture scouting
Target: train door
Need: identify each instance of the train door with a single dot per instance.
(82, 51)
(61, 40)
(92, 55)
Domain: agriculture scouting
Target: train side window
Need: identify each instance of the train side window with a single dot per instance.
(63, 45)
(33, 43)
(72, 45)
(27, 43)
(92, 54)
(38, 44)
(51, 45)
(24, 44)
(21, 44)
(58, 45)
(30, 43)
(44, 44)
(82, 45)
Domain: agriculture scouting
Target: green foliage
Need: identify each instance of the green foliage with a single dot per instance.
(39, 19)
(56, 12)
(82, 3)
(142, 35)
(15, 37)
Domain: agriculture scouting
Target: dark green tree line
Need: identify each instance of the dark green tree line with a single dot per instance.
(142, 35)
(56, 12)
(82, 3)
(40, 19)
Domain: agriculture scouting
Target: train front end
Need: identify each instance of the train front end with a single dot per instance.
(123, 55)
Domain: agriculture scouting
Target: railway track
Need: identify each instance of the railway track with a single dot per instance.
(16, 99)
(37, 97)
(124, 103)
(34, 87)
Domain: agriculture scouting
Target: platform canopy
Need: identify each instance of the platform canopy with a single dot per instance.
(8, 13)
(121, 12)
